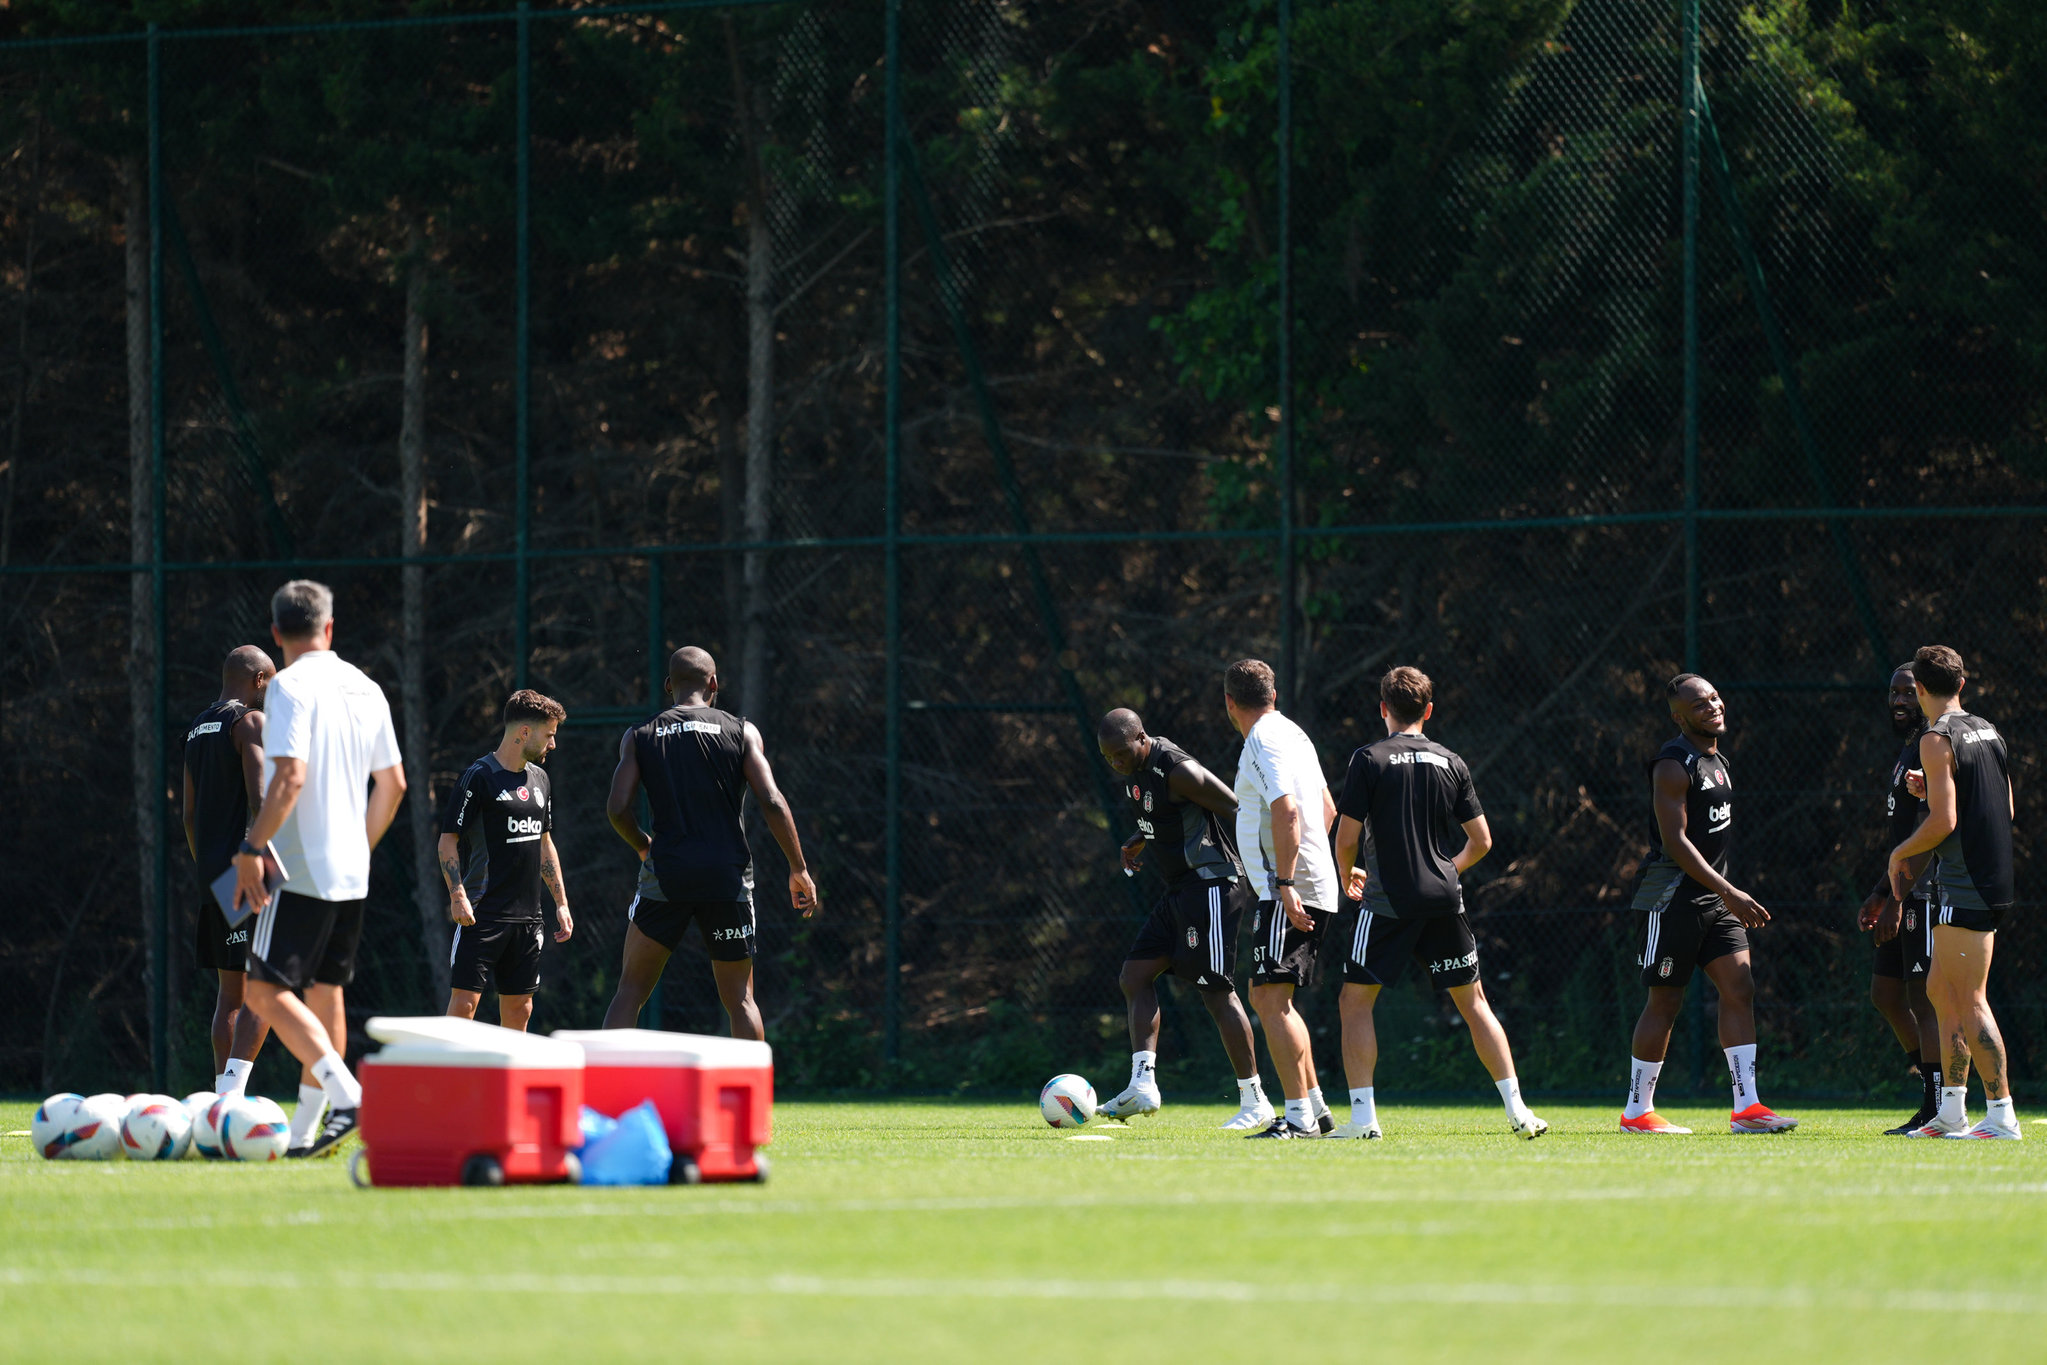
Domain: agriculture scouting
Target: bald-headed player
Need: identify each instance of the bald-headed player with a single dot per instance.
(696, 764)
(223, 783)
(1186, 819)
(1695, 917)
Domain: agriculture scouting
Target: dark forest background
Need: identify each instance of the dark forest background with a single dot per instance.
(1487, 365)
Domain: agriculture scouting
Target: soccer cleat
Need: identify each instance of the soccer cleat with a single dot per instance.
(1354, 1129)
(1758, 1119)
(1651, 1122)
(1325, 1122)
(1987, 1129)
(1138, 1099)
(1251, 1116)
(1282, 1127)
(1912, 1125)
(1527, 1125)
(1938, 1127)
(340, 1123)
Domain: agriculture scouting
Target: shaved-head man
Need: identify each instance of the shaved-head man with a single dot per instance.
(1185, 818)
(223, 783)
(696, 763)
(1694, 917)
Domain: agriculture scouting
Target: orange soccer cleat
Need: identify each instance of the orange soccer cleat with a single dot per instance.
(1651, 1122)
(1758, 1119)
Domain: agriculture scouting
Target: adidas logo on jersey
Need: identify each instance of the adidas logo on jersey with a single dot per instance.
(508, 795)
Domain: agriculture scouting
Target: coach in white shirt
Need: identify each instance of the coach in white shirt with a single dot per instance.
(1284, 812)
(332, 785)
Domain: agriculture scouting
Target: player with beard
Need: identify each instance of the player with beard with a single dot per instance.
(1904, 933)
(1185, 818)
(1694, 916)
(223, 783)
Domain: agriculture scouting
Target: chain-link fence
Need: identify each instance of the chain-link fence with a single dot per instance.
(1343, 334)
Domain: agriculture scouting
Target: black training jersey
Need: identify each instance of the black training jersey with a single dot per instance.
(1905, 811)
(1980, 847)
(500, 815)
(1186, 839)
(1412, 795)
(1709, 820)
(690, 764)
(220, 797)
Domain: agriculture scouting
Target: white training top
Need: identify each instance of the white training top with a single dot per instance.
(328, 712)
(1280, 760)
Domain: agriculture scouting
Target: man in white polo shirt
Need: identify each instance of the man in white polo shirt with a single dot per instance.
(1284, 812)
(332, 785)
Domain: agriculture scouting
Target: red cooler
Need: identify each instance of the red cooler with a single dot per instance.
(452, 1101)
(714, 1094)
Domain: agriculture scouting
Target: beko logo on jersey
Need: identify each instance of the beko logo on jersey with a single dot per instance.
(211, 727)
(1144, 828)
(1418, 756)
(517, 826)
(1720, 816)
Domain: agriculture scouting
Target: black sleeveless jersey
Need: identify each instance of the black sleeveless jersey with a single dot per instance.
(1709, 820)
(1980, 847)
(220, 798)
(1185, 839)
(690, 766)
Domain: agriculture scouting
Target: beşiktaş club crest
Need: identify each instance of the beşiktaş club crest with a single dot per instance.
(1193, 937)
(1147, 801)
(1663, 967)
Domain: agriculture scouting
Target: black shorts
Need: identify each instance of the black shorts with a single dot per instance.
(1380, 949)
(1195, 925)
(1907, 957)
(1688, 935)
(305, 941)
(1282, 954)
(217, 947)
(1984, 919)
(502, 953)
(726, 927)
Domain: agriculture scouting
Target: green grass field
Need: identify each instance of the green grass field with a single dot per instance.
(917, 1230)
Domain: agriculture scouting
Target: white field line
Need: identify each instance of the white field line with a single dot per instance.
(1792, 1298)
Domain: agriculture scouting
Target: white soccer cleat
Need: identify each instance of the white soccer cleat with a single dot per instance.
(1354, 1129)
(1938, 1127)
(1527, 1125)
(1251, 1116)
(1987, 1129)
(1138, 1099)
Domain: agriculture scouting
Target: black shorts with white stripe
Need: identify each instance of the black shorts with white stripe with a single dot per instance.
(504, 954)
(1907, 956)
(1282, 954)
(1380, 948)
(305, 941)
(1689, 934)
(1195, 926)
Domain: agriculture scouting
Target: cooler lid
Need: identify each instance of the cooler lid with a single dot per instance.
(437, 1040)
(650, 1047)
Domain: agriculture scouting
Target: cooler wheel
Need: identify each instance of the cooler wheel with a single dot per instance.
(760, 1170)
(359, 1169)
(482, 1170)
(573, 1164)
(685, 1171)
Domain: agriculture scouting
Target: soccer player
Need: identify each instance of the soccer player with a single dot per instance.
(1694, 916)
(1180, 808)
(1968, 830)
(334, 784)
(697, 764)
(497, 838)
(223, 783)
(1904, 933)
(1405, 798)
(1284, 812)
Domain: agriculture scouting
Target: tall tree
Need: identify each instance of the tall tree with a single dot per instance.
(419, 757)
(142, 660)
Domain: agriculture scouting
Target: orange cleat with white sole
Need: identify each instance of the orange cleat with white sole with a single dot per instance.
(1758, 1119)
(1652, 1122)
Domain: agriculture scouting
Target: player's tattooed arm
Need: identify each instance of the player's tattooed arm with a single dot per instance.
(1190, 781)
(551, 874)
(449, 852)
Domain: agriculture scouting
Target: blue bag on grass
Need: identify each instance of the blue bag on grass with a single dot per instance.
(634, 1152)
(593, 1126)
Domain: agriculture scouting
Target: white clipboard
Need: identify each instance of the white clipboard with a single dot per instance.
(274, 878)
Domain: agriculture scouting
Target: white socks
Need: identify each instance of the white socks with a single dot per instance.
(1510, 1095)
(1999, 1113)
(1316, 1104)
(305, 1120)
(1741, 1069)
(234, 1080)
(1300, 1113)
(1641, 1087)
(334, 1077)
(1144, 1071)
(1954, 1100)
(1362, 1111)
(1249, 1091)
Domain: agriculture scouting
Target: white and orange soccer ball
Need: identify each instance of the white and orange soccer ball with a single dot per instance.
(78, 1127)
(1067, 1101)
(52, 1121)
(251, 1128)
(207, 1113)
(155, 1128)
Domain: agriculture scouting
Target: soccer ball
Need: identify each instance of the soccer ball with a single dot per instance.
(155, 1128)
(68, 1128)
(52, 1120)
(251, 1128)
(1067, 1101)
(206, 1119)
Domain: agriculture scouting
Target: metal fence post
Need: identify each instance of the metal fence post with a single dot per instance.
(1688, 106)
(522, 363)
(1289, 672)
(892, 909)
(160, 922)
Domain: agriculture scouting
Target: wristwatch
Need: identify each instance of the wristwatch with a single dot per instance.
(1282, 881)
(248, 850)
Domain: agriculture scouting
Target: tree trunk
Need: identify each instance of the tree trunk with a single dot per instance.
(31, 220)
(428, 892)
(142, 660)
(760, 395)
